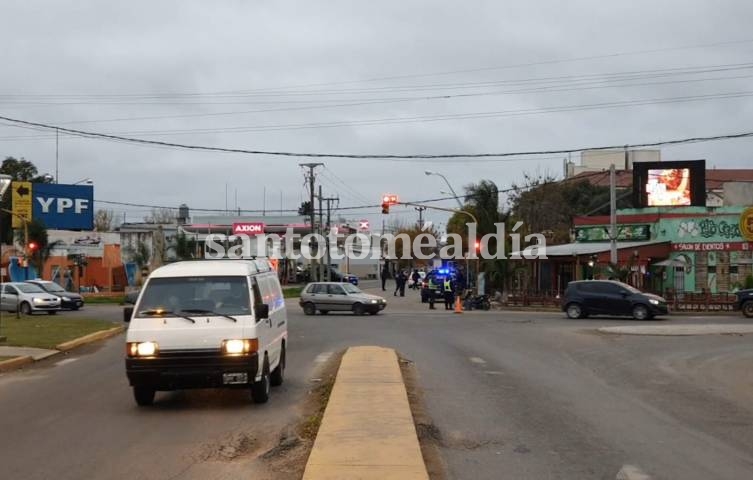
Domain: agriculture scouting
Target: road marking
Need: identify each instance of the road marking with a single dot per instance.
(492, 372)
(477, 360)
(322, 357)
(63, 362)
(631, 472)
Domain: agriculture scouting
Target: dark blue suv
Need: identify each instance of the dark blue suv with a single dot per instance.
(607, 297)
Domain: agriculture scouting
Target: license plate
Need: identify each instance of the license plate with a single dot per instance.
(234, 378)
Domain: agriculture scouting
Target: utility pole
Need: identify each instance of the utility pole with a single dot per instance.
(613, 215)
(311, 177)
(57, 148)
(329, 201)
(420, 211)
(322, 268)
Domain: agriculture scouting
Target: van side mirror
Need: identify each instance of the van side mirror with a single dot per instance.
(127, 312)
(261, 311)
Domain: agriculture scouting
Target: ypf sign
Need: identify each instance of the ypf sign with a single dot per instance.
(248, 228)
(63, 207)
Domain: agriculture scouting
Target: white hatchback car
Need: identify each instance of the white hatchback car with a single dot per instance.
(27, 298)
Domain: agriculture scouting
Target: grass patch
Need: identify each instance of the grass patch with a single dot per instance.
(292, 292)
(114, 299)
(48, 331)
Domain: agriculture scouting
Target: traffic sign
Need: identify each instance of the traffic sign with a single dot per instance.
(363, 225)
(21, 200)
(63, 207)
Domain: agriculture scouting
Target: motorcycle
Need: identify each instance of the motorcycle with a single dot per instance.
(478, 302)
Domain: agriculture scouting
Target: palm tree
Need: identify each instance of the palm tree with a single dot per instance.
(185, 247)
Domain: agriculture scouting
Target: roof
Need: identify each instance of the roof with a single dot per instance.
(589, 248)
(211, 268)
(715, 178)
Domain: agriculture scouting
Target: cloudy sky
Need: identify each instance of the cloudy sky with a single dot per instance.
(386, 77)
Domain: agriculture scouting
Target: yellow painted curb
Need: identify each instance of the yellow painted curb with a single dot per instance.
(92, 337)
(367, 431)
(14, 363)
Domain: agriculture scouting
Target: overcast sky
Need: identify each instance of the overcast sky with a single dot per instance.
(376, 77)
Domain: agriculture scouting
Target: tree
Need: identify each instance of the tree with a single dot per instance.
(103, 220)
(161, 215)
(482, 201)
(38, 235)
(140, 254)
(19, 170)
(411, 232)
(185, 247)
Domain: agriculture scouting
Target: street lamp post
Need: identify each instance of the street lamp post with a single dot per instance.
(5, 181)
(457, 199)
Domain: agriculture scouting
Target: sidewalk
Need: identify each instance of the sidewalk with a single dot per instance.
(367, 431)
(35, 353)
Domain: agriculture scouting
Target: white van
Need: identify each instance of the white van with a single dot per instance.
(208, 323)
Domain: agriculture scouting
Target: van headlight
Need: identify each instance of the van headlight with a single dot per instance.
(240, 346)
(653, 301)
(142, 349)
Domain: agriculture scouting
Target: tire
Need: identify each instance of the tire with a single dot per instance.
(574, 310)
(640, 312)
(51, 312)
(747, 309)
(278, 374)
(25, 308)
(309, 308)
(357, 309)
(324, 312)
(373, 312)
(144, 396)
(260, 389)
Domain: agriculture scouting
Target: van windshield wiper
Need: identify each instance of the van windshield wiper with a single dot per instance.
(201, 311)
(160, 312)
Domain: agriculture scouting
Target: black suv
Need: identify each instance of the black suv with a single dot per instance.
(745, 302)
(606, 297)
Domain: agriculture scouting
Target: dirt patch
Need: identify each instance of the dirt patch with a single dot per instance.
(286, 460)
(231, 448)
(429, 436)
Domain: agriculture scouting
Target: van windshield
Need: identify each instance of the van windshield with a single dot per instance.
(225, 295)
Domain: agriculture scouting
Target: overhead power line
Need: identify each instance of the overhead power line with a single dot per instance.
(89, 134)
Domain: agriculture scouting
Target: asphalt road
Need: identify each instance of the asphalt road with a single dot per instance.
(511, 395)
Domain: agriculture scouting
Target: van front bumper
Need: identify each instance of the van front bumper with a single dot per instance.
(179, 370)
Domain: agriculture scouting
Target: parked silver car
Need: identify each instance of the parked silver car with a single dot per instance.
(27, 298)
(332, 297)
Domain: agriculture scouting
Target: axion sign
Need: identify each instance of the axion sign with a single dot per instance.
(363, 225)
(255, 228)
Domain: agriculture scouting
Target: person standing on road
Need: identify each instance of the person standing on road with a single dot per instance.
(403, 282)
(449, 297)
(416, 277)
(432, 292)
(385, 275)
(399, 283)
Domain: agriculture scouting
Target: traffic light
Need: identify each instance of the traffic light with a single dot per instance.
(32, 247)
(387, 200)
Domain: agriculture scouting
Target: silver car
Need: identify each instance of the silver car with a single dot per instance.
(344, 297)
(27, 298)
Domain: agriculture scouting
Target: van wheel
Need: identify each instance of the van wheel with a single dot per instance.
(358, 309)
(25, 308)
(309, 308)
(574, 311)
(144, 396)
(640, 312)
(260, 389)
(278, 374)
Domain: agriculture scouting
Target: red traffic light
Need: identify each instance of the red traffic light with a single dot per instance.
(389, 199)
(32, 246)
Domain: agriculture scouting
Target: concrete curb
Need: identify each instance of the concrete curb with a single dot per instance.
(679, 330)
(92, 337)
(367, 431)
(15, 363)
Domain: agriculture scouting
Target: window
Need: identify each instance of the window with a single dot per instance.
(335, 290)
(222, 294)
(733, 270)
(712, 269)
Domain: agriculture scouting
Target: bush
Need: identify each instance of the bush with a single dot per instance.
(749, 282)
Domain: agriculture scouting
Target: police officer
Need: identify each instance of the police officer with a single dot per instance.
(448, 295)
(432, 292)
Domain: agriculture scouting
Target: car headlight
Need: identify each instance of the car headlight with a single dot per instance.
(142, 349)
(240, 346)
(653, 301)
(375, 301)
(37, 300)
(66, 299)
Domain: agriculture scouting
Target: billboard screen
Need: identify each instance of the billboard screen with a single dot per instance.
(666, 184)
